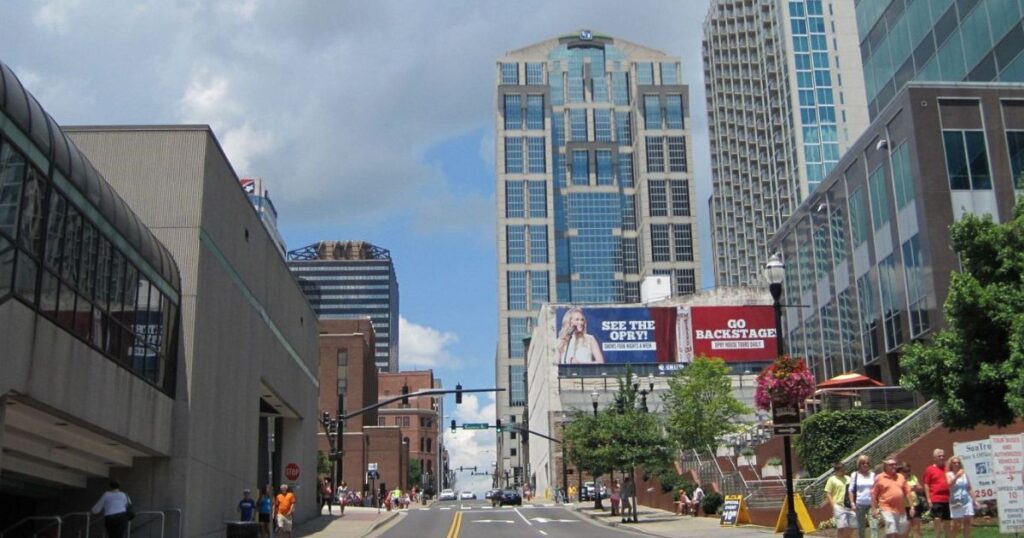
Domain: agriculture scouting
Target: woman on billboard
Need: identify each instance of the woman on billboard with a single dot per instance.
(575, 346)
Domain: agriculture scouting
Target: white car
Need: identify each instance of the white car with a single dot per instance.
(467, 495)
(446, 495)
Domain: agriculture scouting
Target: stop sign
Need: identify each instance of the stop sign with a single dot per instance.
(291, 471)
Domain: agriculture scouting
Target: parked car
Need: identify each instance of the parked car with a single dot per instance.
(447, 495)
(511, 496)
(587, 492)
(467, 495)
(494, 496)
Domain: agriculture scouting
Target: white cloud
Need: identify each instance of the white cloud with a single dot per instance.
(424, 347)
(469, 448)
(55, 15)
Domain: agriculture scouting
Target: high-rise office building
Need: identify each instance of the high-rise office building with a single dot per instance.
(259, 197)
(937, 40)
(352, 280)
(785, 98)
(594, 185)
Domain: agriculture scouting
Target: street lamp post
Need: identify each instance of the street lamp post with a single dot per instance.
(775, 273)
(645, 392)
(597, 489)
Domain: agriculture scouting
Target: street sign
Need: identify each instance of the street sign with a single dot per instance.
(786, 430)
(291, 471)
(373, 475)
(371, 466)
(475, 426)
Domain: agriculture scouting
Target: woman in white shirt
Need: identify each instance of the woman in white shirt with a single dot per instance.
(575, 346)
(860, 492)
(114, 507)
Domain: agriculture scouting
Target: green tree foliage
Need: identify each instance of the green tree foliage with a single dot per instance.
(415, 472)
(975, 369)
(830, 436)
(323, 463)
(701, 407)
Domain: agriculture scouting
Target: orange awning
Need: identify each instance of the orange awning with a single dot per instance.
(849, 380)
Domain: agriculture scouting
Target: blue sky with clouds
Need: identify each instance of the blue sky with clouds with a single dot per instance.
(369, 120)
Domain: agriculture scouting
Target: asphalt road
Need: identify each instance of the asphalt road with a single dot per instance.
(451, 519)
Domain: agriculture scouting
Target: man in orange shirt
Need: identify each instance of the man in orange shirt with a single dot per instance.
(284, 508)
(890, 497)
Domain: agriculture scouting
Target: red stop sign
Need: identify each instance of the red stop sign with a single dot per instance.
(291, 471)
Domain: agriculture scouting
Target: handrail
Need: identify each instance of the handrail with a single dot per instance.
(181, 516)
(33, 518)
(163, 519)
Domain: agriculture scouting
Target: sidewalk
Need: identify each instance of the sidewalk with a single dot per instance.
(357, 522)
(658, 522)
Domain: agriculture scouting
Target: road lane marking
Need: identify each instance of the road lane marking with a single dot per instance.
(516, 510)
(492, 521)
(542, 532)
(453, 531)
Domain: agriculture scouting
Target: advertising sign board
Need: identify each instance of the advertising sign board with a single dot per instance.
(615, 335)
(733, 333)
(977, 459)
(1008, 460)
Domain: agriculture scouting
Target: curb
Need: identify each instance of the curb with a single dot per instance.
(379, 523)
(614, 524)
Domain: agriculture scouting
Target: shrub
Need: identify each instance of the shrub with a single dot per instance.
(712, 502)
(774, 460)
(830, 436)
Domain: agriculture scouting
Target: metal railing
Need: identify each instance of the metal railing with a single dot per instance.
(63, 528)
(885, 444)
(8, 531)
(147, 526)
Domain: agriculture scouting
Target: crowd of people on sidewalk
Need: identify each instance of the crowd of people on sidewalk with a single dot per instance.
(892, 499)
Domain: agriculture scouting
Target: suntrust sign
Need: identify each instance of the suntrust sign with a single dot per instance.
(734, 333)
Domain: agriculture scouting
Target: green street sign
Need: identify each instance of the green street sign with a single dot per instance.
(475, 426)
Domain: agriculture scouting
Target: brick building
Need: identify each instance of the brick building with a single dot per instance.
(419, 420)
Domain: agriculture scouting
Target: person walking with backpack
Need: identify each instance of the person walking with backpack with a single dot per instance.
(116, 509)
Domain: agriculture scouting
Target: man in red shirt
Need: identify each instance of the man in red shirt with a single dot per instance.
(936, 490)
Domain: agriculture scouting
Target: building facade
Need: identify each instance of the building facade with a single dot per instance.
(348, 370)
(594, 185)
(259, 197)
(420, 421)
(939, 40)
(785, 99)
(352, 280)
(868, 256)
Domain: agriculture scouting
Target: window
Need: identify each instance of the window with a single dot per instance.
(534, 111)
(514, 155)
(891, 302)
(652, 112)
(510, 73)
(603, 125)
(686, 282)
(516, 385)
(868, 316)
(966, 160)
(538, 199)
(674, 112)
(578, 124)
(515, 248)
(514, 199)
(623, 130)
(655, 154)
(605, 175)
(879, 197)
(342, 357)
(680, 189)
(538, 289)
(660, 251)
(538, 243)
(513, 112)
(1014, 140)
(917, 287)
(620, 88)
(669, 73)
(516, 290)
(517, 330)
(676, 154)
(657, 198)
(682, 242)
(534, 73)
(628, 213)
(580, 168)
(380, 421)
(858, 217)
(645, 73)
(557, 130)
(902, 182)
(535, 154)
(630, 256)
(626, 169)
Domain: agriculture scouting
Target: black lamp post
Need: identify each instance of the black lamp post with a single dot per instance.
(775, 273)
(645, 392)
(332, 429)
(597, 489)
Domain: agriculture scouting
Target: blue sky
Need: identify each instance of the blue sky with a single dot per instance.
(369, 120)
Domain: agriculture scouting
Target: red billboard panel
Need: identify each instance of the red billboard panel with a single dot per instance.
(732, 333)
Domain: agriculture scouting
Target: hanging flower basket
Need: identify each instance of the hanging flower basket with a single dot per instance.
(786, 382)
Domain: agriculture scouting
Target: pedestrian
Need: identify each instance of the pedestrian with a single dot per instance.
(682, 502)
(343, 493)
(246, 507)
(860, 492)
(615, 497)
(266, 506)
(284, 511)
(326, 496)
(628, 502)
(114, 504)
(936, 489)
(838, 499)
(890, 498)
(917, 501)
(696, 499)
(961, 497)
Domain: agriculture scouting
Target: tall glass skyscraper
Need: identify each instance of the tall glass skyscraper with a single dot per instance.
(785, 96)
(938, 40)
(352, 280)
(594, 184)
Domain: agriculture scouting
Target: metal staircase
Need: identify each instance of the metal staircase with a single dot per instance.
(148, 524)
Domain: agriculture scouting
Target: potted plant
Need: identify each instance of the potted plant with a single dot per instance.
(772, 467)
(787, 382)
(747, 457)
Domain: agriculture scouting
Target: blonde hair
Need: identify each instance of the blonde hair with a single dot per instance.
(956, 460)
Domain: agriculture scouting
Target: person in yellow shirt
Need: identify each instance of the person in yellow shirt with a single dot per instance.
(284, 511)
(838, 500)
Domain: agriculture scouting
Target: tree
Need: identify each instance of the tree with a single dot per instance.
(975, 368)
(701, 406)
(415, 472)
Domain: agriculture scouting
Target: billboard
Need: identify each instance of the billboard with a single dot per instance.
(596, 335)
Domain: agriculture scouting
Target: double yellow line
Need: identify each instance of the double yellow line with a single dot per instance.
(453, 532)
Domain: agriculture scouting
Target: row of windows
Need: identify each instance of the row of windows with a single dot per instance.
(516, 247)
(527, 299)
(671, 242)
(536, 163)
(510, 73)
(526, 198)
(659, 200)
(59, 261)
(514, 112)
(658, 146)
(667, 114)
(516, 385)
(602, 119)
(684, 281)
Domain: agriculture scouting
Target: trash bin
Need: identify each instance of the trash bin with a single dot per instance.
(243, 529)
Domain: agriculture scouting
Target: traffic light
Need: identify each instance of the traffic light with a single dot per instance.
(620, 406)
(458, 393)
(497, 425)
(525, 433)
(453, 425)
(405, 394)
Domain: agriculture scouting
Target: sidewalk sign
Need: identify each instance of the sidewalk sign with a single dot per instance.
(734, 511)
(977, 459)
(803, 519)
(1008, 458)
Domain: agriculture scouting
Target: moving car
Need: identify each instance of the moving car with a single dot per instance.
(587, 492)
(510, 496)
(447, 495)
(467, 495)
(494, 496)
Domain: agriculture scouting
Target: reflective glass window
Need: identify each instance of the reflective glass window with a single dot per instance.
(669, 73)
(902, 182)
(516, 290)
(580, 168)
(1015, 143)
(603, 125)
(917, 287)
(966, 160)
(535, 155)
(676, 153)
(513, 155)
(628, 213)
(626, 169)
(538, 243)
(680, 191)
(517, 331)
(539, 293)
(682, 242)
(657, 198)
(538, 198)
(515, 244)
(513, 112)
(516, 386)
(534, 111)
(630, 256)
(686, 281)
(620, 88)
(645, 73)
(514, 200)
(535, 73)
(858, 217)
(510, 73)
(12, 177)
(879, 197)
(605, 172)
(623, 129)
(578, 124)
(868, 316)
(652, 112)
(660, 250)
(674, 111)
(655, 154)
(892, 302)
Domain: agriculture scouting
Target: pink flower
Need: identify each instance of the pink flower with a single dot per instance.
(786, 381)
